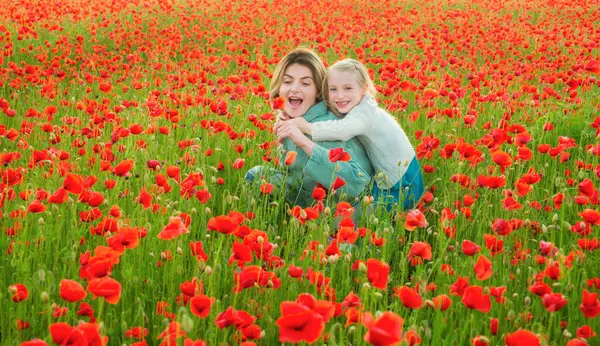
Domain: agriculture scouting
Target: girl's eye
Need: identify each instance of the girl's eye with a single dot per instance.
(306, 84)
(287, 82)
(348, 88)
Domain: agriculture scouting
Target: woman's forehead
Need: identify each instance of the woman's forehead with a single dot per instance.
(298, 71)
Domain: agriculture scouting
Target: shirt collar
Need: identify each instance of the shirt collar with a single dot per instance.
(315, 111)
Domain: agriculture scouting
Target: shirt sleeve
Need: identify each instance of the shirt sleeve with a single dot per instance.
(326, 172)
(355, 123)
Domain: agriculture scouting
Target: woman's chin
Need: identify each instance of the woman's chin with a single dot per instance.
(296, 112)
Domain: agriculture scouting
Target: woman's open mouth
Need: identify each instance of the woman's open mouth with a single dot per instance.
(295, 102)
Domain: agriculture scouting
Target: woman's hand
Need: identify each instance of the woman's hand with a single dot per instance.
(287, 129)
(280, 117)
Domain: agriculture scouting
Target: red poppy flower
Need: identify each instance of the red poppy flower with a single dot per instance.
(469, 248)
(338, 182)
(290, 157)
(409, 296)
(19, 292)
(200, 305)
(473, 298)
(554, 301)
(73, 183)
(338, 154)
(414, 219)
(483, 268)
(145, 199)
(123, 168)
(299, 323)
(590, 305)
(105, 287)
(278, 103)
(237, 318)
(198, 251)
(591, 216)
(71, 291)
(386, 330)
(585, 332)
(377, 273)
(419, 251)
(522, 337)
(240, 253)
(174, 229)
(223, 224)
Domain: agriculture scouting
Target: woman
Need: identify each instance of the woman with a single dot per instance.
(298, 79)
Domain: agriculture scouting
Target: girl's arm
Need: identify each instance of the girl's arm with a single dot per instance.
(355, 123)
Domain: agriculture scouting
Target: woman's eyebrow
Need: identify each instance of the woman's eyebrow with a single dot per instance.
(287, 75)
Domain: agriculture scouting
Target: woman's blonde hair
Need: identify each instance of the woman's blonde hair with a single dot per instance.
(351, 65)
(304, 57)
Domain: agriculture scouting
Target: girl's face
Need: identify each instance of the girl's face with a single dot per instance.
(298, 90)
(344, 91)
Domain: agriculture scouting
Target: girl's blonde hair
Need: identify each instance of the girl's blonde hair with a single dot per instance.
(351, 65)
(304, 57)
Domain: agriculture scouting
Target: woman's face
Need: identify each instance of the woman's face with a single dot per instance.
(298, 90)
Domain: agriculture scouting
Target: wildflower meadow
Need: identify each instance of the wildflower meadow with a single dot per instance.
(126, 129)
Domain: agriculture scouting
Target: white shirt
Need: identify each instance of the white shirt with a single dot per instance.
(384, 141)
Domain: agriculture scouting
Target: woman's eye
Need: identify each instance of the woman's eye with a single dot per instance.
(287, 82)
(306, 84)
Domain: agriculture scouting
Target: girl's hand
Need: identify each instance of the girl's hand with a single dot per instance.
(303, 125)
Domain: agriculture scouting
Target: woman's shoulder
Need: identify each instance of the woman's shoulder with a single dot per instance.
(319, 112)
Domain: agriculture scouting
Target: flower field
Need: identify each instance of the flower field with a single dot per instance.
(126, 129)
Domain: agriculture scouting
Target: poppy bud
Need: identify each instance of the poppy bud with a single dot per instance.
(42, 275)
(366, 286)
(179, 250)
(362, 267)
(208, 270)
(207, 211)
(45, 297)
(333, 259)
(187, 323)
(527, 301)
(567, 334)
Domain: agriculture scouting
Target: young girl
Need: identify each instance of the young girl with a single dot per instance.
(351, 93)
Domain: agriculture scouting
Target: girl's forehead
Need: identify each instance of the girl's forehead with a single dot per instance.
(342, 76)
